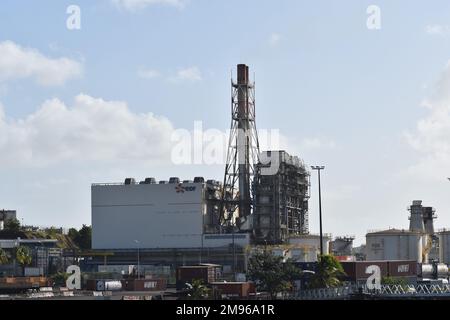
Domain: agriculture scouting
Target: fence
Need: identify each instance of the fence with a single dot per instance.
(386, 292)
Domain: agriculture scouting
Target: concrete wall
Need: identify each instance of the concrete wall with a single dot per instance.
(224, 240)
(158, 216)
(404, 246)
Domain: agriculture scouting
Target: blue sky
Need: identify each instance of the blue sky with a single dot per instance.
(343, 95)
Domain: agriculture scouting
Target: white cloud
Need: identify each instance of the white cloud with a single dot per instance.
(274, 39)
(148, 73)
(135, 5)
(90, 130)
(317, 143)
(17, 62)
(191, 74)
(440, 30)
(432, 135)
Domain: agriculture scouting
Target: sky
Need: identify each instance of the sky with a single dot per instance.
(101, 102)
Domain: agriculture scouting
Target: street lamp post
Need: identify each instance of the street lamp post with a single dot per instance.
(319, 169)
(138, 259)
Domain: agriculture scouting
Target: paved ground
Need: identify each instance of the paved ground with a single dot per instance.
(122, 295)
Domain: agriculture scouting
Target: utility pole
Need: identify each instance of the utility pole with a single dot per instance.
(319, 169)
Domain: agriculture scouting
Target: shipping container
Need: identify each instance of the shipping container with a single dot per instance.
(357, 270)
(34, 272)
(233, 289)
(402, 269)
(207, 273)
(145, 285)
(23, 283)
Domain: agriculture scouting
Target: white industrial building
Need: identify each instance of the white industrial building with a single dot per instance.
(154, 216)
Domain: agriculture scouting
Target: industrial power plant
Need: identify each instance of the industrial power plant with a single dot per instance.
(153, 234)
(262, 200)
(177, 222)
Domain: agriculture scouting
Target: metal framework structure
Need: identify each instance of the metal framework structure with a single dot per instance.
(242, 154)
(281, 199)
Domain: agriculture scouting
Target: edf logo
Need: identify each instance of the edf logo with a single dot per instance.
(181, 189)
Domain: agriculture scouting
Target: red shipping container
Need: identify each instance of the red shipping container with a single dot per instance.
(357, 270)
(234, 289)
(145, 285)
(402, 268)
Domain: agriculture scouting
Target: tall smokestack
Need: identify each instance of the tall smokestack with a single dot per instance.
(243, 151)
(243, 140)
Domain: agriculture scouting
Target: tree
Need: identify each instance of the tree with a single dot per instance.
(197, 290)
(328, 274)
(73, 234)
(271, 274)
(82, 238)
(59, 279)
(12, 225)
(3, 257)
(85, 238)
(23, 256)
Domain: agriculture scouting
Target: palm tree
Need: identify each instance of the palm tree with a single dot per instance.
(3, 257)
(197, 290)
(23, 256)
(328, 273)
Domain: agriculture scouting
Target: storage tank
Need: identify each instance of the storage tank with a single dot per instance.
(394, 245)
(426, 271)
(306, 248)
(441, 271)
(444, 247)
(342, 246)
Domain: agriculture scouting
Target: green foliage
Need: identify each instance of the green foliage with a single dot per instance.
(328, 273)
(23, 256)
(12, 225)
(52, 233)
(393, 281)
(73, 234)
(271, 274)
(82, 238)
(3, 257)
(60, 278)
(198, 291)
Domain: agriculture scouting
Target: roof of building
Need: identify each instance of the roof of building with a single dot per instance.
(393, 232)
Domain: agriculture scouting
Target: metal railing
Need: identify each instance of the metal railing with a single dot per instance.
(386, 291)
(326, 293)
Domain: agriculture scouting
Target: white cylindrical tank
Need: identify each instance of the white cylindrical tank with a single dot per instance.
(426, 271)
(113, 285)
(394, 245)
(444, 247)
(441, 271)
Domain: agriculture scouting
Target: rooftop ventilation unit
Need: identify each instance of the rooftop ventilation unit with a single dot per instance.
(130, 181)
(174, 180)
(199, 180)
